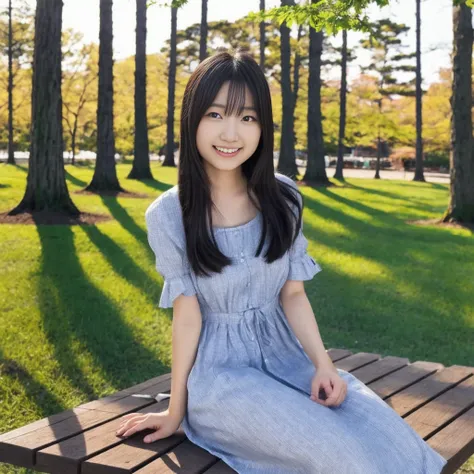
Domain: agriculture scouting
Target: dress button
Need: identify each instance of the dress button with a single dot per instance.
(242, 254)
(242, 260)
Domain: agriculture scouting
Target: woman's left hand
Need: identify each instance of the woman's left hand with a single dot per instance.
(328, 380)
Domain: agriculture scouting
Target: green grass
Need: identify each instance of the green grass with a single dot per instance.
(78, 305)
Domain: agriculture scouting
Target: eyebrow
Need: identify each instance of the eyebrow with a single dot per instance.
(223, 107)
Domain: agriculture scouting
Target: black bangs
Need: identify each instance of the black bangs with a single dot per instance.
(235, 97)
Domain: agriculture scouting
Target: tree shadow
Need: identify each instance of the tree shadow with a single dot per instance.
(158, 185)
(45, 401)
(123, 264)
(124, 218)
(389, 195)
(74, 180)
(77, 314)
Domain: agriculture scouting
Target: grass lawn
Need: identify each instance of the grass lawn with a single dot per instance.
(78, 305)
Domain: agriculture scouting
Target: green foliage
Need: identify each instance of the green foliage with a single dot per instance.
(330, 15)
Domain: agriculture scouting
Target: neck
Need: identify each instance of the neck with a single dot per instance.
(227, 183)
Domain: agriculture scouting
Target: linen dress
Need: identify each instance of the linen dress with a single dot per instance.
(249, 387)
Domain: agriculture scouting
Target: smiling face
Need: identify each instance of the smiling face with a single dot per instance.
(226, 141)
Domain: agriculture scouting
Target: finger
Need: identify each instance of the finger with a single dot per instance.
(129, 424)
(134, 429)
(327, 387)
(131, 420)
(333, 398)
(128, 416)
(152, 437)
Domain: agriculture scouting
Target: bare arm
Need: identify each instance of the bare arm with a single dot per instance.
(301, 318)
(186, 330)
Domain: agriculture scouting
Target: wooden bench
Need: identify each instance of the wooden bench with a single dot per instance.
(437, 402)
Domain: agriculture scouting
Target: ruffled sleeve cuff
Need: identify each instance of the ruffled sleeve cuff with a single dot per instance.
(173, 287)
(303, 268)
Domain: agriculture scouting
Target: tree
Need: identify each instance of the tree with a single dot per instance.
(419, 98)
(141, 161)
(342, 111)
(461, 204)
(262, 38)
(387, 59)
(105, 174)
(46, 188)
(316, 165)
(18, 46)
(169, 157)
(203, 32)
(286, 162)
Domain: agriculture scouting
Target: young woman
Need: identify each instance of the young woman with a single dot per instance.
(251, 380)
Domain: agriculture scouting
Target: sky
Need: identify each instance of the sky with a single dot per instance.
(436, 39)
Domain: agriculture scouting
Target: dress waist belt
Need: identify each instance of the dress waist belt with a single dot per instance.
(246, 314)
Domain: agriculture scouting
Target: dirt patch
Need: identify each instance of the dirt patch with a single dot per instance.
(124, 194)
(313, 184)
(440, 223)
(53, 218)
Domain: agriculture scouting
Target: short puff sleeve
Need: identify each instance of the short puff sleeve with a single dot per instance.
(167, 240)
(302, 266)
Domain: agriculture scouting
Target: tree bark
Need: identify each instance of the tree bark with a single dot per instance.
(262, 38)
(141, 161)
(419, 176)
(169, 158)
(203, 32)
(46, 188)
(316, 165)
(11, 149)
(105, 173)
(286, 161)
(379, 144)
(339, 174)
(461, 205)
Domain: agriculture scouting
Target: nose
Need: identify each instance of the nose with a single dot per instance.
(229, 130)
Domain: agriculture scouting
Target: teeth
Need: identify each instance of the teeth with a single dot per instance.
(227, 150)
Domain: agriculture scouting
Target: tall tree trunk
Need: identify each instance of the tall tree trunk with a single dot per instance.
(105, 173)
(11, 149)
(342, 110)
(316, 165)
(46, 188)
(169, 158)
(141, 161)
(379, 144)
(287, 161)
(203, 32)
(461, 205)
(419, 176)
(296, 71)
(262, 38)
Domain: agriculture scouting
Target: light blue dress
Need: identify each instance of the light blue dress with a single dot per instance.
(249, 387)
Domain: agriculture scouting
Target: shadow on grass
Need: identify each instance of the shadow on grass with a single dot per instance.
(123, 264)
(45, 401)
(73, 180)
(124, 218)
(403, 311)
(416, 205)
(158, 185)
(78, 315)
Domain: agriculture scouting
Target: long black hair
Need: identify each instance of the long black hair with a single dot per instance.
(280, 221)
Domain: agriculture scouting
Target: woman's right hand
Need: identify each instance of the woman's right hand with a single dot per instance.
(163, 423)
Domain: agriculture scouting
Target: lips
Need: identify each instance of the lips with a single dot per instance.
(221, 153)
